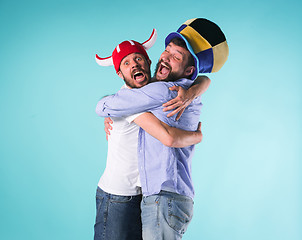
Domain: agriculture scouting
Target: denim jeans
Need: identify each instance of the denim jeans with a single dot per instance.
(117, 217)
(166, 215)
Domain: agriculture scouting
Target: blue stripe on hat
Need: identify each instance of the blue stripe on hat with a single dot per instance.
(181, 28)
(206, 61)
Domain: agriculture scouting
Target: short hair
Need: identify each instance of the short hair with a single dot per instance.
(181, 43)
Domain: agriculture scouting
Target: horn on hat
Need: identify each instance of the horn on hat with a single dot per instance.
(108, 61)
(150, 42)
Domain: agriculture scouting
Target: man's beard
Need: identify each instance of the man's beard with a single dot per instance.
(170, 78)
(132, 85)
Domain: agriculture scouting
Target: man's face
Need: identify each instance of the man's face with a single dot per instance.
(172, 64)
(135, 70)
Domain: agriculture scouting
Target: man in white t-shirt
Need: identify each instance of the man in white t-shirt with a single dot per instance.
(118, 195)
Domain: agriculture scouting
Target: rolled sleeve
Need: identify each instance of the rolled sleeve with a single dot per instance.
(131, 118)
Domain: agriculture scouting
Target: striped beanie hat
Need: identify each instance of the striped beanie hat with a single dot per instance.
(205, 41)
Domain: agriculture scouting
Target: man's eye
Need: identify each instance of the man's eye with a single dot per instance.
(126, 63)
(138, 58)
(177, 58)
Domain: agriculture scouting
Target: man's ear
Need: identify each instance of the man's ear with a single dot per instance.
(119, 73)
(149, 61)
(189, 70)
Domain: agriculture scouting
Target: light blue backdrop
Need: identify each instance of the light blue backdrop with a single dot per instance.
(247, 170)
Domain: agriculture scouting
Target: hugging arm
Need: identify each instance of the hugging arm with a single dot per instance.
(185, 97)
(169, 136)
(130, 101)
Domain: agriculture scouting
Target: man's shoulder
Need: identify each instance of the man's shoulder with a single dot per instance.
(159, 84)
(157, 87)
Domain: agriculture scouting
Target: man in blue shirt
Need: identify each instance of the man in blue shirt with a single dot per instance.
(165, 172)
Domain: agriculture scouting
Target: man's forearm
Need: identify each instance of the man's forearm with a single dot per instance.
(200, 85)
(169, 136)
(182, 138)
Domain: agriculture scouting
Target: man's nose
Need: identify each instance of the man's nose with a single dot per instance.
(134, 63)
(166, 57)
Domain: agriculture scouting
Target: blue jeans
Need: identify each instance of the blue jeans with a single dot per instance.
(166, 215)
(117, 217)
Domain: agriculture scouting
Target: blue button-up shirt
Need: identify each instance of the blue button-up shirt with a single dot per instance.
(160, 167)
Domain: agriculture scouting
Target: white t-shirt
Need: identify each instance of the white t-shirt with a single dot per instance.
(121, 176)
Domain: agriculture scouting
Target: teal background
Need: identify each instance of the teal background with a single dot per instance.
(247, 170)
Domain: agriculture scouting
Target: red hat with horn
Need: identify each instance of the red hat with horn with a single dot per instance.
(125, 48)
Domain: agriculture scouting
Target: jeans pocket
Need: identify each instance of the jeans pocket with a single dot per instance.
(151, 200)
(180, 213)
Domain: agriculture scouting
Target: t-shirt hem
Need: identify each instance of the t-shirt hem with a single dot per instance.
(121, 193)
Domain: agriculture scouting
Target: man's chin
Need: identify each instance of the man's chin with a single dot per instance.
(161, 77)
(140, 83)
(140, 80)
(171, 77)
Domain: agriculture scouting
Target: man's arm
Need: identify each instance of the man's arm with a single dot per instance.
(130, 101)
(185, 97)
(169, 136)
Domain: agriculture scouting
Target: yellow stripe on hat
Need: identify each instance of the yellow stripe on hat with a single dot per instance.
(220, 53)
(197, 42)
(188, 22)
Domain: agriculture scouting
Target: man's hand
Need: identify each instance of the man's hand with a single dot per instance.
(183, 99)
(108, 127)
(199, 131)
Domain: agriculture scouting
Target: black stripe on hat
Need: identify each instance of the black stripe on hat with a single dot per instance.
(208, 30)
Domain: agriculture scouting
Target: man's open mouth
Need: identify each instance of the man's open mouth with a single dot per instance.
(164, 68)
(163, 71)
(138, 75)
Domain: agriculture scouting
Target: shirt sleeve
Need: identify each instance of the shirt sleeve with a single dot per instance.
(131, 118)
(127, 102)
